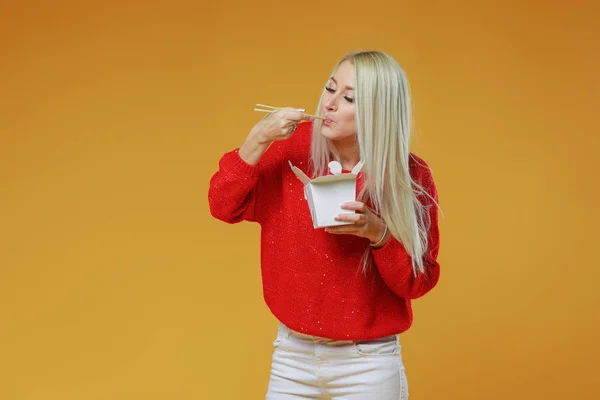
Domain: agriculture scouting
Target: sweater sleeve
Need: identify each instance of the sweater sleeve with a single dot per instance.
(231, 194)
(236, 188)
(395, 264)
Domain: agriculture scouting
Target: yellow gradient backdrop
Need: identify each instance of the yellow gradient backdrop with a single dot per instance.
(115, 281)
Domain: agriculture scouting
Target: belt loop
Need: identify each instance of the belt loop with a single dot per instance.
(285, 331)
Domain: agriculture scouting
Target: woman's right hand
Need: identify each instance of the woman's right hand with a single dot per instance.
(278, 125)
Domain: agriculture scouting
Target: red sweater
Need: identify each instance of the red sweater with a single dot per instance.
(312, 280)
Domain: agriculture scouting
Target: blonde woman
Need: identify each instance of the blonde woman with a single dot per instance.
(342, 294)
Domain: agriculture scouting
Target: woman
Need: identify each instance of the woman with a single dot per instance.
(342, 294)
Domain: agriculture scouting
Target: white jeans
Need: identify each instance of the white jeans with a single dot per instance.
(309, 367)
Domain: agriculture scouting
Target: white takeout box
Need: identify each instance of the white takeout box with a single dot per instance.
(326, 194)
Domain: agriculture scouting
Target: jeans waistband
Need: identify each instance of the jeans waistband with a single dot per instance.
(290, 332)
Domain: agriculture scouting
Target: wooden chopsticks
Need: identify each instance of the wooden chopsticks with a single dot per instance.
(273, 109)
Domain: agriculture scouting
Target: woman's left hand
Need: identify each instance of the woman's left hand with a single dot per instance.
(364, 223)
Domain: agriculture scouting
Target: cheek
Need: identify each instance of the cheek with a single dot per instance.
(349, 118)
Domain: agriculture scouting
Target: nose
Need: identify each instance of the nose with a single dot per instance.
(331, 103)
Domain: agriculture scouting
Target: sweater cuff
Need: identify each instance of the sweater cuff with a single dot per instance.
(389, 253)
(233, 163)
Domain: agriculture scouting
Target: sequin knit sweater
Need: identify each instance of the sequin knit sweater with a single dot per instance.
(312, 280)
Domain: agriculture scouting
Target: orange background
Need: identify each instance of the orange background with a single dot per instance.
(116, 283)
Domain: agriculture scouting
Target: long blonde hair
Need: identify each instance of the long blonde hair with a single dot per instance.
(383, 124)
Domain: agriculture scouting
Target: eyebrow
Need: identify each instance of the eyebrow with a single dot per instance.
(347, 87)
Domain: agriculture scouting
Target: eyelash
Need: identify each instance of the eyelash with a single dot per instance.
(348, 99)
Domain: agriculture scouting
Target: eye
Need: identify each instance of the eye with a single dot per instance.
(349, 99)
(329, 89)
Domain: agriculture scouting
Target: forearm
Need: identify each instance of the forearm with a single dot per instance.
(396, 269)
(253, 148)
(231, 190)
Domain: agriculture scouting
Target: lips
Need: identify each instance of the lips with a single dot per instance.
(328, 121)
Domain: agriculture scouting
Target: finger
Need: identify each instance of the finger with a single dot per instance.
(355, 205)
(345, 230)
(288, 127)
(285, 114)
(357, 219)
(299, 116)
(304, 117)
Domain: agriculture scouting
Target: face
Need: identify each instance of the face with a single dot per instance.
(338, 106)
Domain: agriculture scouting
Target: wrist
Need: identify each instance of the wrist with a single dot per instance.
(253, 149)
(258, 138)
(381, 238)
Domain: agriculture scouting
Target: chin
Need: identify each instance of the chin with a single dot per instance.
(327, 132)
(330, 133)
(333, 135)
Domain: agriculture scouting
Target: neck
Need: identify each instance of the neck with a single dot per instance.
(348, 153)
